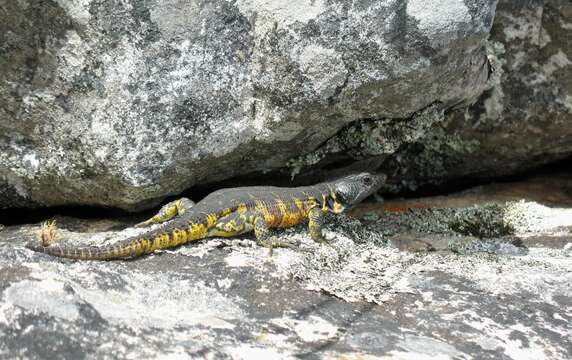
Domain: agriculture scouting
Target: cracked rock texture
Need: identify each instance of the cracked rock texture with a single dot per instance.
(523, 119)
(123, 103)
(385, 287)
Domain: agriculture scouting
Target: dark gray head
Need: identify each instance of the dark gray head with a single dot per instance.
(352, 189)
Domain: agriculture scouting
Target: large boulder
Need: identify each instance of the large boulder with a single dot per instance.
(123, 103)
(523, 120)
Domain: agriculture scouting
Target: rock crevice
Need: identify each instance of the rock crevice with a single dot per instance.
(118, 104)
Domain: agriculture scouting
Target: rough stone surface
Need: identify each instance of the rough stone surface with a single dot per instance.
(523, 119)
(121, 103)
(359, 297)
(520, 122)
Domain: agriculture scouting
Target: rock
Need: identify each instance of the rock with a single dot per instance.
(356, 297)
(521, 120)
(411, 243)
(121, 104)
(486, 221)
(567, 249)
(468, 245)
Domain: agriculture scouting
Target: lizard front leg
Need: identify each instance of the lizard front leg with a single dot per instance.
(315, 223)
(168, 211)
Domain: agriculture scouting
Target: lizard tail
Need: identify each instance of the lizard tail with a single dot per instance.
(121, 250)
(125, 249)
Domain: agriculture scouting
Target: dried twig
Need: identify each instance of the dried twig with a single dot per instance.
(48, 233)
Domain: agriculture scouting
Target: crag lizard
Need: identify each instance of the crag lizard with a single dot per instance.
(230, 212)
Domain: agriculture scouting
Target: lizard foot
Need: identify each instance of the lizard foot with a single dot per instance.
(271, 244)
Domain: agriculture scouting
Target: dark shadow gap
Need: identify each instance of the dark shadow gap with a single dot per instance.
(18, 216)
(561, 168)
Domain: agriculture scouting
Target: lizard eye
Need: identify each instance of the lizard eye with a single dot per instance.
(367, 180)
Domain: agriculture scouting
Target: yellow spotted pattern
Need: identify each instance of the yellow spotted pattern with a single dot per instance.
(289, 215)
(211, 220)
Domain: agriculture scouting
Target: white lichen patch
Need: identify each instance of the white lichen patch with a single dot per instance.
(285, 131)
(367, 272)
(556, 62)
(71, 57)
(518, 274)
(281, 13)
(175, 17)
(531, 218)
(77, 9)
(224, 283)
(324, 68)
(544, 37)
(567, 250)
(247, 352)
(177, 303)
(439, 16)
(568, 103)
(425, 347)
(239, 259)
(170, 302)
(312, 329)
(31, 162)
(492, 335)
(45, 296)
(565, 25)
(526, 26)
(364, 356)
(179, 353)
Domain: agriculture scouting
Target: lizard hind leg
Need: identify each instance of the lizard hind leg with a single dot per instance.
(235, 224)
(168, 211)
(231, 225)
(263, 235)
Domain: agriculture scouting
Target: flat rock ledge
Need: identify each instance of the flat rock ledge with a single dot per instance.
(481, 274)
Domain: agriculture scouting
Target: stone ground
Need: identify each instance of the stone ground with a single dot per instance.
(485, 274)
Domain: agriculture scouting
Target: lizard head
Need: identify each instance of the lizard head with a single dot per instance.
(352, 189)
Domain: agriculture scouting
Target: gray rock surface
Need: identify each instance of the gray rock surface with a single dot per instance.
(522, 120)
(122, 103)
(359, 297)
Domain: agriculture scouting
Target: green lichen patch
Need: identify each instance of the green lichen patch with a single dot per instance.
(372, 138)
(495, 55)
(431, 158)
(482, 221)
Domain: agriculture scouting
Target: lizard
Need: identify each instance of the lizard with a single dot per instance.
(231, 212)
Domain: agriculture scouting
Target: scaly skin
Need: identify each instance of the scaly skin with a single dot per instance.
(230, 212)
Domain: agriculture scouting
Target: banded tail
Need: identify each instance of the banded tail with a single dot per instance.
(120, 250)
(129, 248)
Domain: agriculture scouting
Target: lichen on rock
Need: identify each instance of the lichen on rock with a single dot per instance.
(123, 104)
(364, 293)
(373, 138)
